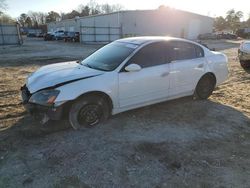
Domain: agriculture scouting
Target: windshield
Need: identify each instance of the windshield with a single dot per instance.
(110, 56)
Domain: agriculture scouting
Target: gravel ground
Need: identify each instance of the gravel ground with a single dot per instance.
(180, 143)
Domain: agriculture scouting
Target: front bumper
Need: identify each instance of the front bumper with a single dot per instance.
(40, 112)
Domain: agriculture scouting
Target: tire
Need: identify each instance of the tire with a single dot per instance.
(88, 111)
(205, 87)
(245, 64)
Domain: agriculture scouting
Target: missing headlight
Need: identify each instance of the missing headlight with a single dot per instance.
(44, 97)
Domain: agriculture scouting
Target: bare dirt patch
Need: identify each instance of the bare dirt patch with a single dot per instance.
(180, 143)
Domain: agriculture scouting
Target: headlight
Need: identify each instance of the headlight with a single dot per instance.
(44, 97)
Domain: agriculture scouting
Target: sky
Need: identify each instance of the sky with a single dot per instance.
(209, 7)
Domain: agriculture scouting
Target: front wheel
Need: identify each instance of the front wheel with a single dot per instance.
(205, 87)
(88, 112)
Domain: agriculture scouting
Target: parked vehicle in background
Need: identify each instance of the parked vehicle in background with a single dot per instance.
(227, 36)
(207, 36)
(72, 37)
(59, 35)
(39, 35)
(244, 54)
(123, 75)
(49, 36)
(244, 33)
(31, 35)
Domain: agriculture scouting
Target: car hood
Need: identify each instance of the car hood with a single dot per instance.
(58, 74)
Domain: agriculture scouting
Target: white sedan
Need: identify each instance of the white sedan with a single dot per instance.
(123, 75)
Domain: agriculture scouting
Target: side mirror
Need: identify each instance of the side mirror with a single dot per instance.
(133, 68)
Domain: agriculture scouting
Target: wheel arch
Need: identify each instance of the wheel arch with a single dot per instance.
(107, 98)
(210, 74)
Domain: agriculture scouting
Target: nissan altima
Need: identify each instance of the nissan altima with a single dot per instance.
(123, 75)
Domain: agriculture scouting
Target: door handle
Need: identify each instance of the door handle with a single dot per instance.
(200, 66)
(164, 74)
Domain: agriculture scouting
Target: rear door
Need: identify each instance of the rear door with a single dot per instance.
(186, 67)
(151, 82)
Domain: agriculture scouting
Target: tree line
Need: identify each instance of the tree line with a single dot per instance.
(36, 19)
(232, 21)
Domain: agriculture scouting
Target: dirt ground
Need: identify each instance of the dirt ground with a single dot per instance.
(180, 143)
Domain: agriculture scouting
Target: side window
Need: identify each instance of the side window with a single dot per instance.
(199, 51)
(183, 50)
(150, 55)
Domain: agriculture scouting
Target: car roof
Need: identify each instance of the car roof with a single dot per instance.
(149, 39)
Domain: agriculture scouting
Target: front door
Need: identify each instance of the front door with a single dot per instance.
(149, 84)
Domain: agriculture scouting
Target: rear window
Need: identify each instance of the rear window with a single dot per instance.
(179, 50)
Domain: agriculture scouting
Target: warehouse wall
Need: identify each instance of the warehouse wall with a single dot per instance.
(109, 27)
(100, 28)
(168, 22)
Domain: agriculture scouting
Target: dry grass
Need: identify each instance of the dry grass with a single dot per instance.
(181, 143)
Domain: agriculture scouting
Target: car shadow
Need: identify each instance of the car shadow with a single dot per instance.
(184, 110)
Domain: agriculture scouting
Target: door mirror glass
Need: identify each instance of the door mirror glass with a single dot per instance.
(133, 68)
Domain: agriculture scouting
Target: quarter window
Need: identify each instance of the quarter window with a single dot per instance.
(184, 50)
(199, 51)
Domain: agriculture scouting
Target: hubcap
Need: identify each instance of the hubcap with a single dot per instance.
(90, 114)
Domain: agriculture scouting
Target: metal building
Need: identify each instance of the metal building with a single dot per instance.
(109, 27)
(10, 34)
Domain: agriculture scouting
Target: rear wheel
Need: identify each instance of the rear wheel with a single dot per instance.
(88, 112)
(205, 86)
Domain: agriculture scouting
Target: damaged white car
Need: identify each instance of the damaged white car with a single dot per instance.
(123, 75)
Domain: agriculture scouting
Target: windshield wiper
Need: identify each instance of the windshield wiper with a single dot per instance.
(96, 68)
(87, 65)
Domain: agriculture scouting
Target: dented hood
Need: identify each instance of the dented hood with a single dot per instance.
(58, 74)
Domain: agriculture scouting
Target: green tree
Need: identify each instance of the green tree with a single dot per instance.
(3, 6)
(22, 19)
(52, 17)
(6, 19)
(83, 10)
(233, 19)
(220, 23)
(28, 22)
(107, 8)
(248, 21)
